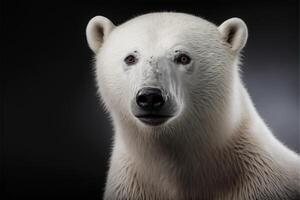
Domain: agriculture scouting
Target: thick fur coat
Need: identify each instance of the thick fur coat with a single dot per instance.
(215, 146)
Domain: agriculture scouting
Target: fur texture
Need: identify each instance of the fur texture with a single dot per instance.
(216, 146)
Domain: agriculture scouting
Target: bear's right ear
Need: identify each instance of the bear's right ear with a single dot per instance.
(97, 31)
(234, 31)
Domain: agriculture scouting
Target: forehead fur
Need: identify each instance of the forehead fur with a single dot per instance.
(163, 29)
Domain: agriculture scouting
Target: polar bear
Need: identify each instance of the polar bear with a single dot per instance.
(185, 126)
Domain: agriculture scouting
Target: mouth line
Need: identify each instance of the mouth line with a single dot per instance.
(153, 119)
(153, 116)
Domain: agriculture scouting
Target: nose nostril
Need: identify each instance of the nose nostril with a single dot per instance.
(142, 100)
(158, 100)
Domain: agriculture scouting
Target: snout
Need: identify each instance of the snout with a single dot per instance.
(152, 107)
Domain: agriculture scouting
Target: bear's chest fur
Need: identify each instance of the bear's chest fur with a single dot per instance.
(241, 170)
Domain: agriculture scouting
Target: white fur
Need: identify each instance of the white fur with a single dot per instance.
(216, 146)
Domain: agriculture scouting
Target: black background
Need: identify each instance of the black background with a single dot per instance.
(55, 137)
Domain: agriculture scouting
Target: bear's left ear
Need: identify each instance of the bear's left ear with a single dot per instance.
(97, 31)
(234, 31)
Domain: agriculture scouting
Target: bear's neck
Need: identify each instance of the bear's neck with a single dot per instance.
(192, 151)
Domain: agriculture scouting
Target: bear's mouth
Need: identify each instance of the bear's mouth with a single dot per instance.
(153, 119)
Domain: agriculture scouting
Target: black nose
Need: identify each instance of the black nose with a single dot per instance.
(150, 98)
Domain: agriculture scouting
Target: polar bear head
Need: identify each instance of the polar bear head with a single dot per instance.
(160, 69)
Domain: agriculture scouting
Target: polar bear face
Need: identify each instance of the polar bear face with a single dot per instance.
(158, 68)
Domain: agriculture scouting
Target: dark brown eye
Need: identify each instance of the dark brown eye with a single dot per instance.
(183, 59)
(130, 60)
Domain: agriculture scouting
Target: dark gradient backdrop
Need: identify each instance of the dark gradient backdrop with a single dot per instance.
(56, 139)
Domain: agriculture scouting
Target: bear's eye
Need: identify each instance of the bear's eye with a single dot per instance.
(183, 59)
(130, 60)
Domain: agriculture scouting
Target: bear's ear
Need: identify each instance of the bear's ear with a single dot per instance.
(97, 30)
(234, 31)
